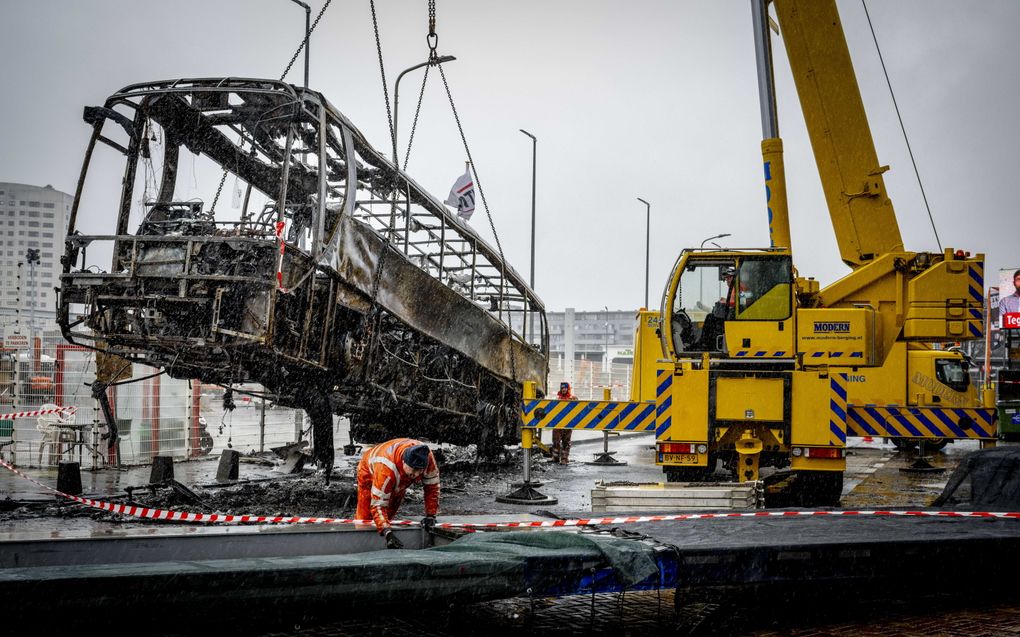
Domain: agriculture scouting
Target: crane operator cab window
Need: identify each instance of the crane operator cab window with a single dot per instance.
(710, 293)
(953, 373)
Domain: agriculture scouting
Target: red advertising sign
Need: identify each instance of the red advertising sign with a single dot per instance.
(1009, 299)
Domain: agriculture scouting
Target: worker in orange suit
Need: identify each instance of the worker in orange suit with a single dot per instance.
(385, 472)
(561, 437)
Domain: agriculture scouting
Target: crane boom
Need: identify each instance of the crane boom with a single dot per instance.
(862, 213)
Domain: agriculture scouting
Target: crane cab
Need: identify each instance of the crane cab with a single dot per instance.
(737, 304)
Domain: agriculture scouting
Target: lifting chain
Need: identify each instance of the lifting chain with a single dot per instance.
(382, 72)
(488, 215)
(223, 179)
(307, 37)
(432, 39)
(417, 112)
(219, 189)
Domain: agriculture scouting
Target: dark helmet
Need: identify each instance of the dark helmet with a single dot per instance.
(565, 387)
(417, 457)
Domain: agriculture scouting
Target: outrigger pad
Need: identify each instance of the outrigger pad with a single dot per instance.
(526, 494)
(606, 459)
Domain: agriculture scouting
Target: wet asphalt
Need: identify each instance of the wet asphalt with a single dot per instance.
(873, 480)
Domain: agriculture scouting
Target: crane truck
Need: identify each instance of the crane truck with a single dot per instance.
(751, 364)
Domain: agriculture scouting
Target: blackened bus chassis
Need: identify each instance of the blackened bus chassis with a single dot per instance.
(317, 268)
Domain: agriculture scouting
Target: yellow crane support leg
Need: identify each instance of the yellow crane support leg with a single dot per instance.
(748, 449)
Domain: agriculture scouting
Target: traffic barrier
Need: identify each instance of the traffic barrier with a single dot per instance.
(184, 516)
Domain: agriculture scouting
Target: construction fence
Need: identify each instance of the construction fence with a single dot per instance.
(155, 414)
(159, 415)
(589, 379)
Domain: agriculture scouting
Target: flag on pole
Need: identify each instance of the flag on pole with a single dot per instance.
(462, 195)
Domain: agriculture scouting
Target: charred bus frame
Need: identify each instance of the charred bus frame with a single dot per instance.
(351, 290)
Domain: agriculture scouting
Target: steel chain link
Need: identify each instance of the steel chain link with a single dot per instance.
(300, 48)
(488, 215)
(305, 39)
(417, 111)
(432, 39)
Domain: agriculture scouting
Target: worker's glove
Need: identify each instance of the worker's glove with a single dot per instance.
(391, 540)
(428, 522)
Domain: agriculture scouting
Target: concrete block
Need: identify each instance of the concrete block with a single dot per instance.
(162, 470)
(230, 460)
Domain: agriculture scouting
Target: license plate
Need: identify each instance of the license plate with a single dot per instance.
(680, 458)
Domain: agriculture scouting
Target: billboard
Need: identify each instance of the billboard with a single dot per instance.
(1009, 299)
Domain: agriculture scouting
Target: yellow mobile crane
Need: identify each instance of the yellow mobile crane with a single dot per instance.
(761, 366)
(750, 364)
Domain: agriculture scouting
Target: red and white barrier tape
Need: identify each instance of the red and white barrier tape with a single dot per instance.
(38, 412)
(183, 516)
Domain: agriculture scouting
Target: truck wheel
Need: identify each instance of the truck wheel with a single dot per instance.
(935, 445)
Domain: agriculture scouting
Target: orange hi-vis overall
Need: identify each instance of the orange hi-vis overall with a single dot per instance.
(382, 482)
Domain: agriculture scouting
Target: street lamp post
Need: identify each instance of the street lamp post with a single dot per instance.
(534, 157)
(308, 17)
(531, 273)
(606, 308)
(396, 97)
(648, 236)
(32, 258)
(701, 271)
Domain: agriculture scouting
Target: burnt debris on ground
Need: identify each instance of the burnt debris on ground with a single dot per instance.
(463, 470)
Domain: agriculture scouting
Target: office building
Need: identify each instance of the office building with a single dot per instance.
(31, 217)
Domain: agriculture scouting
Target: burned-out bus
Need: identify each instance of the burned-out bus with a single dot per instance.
(252, 234)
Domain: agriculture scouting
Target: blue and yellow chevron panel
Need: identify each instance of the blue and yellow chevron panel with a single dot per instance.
(837, 410)
(818, 409)
(663, 401)
(921, 422)
(612, 415)
(851, 355)
(976, 290)
(758, 353)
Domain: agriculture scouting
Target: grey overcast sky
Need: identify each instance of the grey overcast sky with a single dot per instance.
(647, 98)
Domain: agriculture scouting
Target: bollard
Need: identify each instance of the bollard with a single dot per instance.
(69, 478)
(162, 470)
(228, 467)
